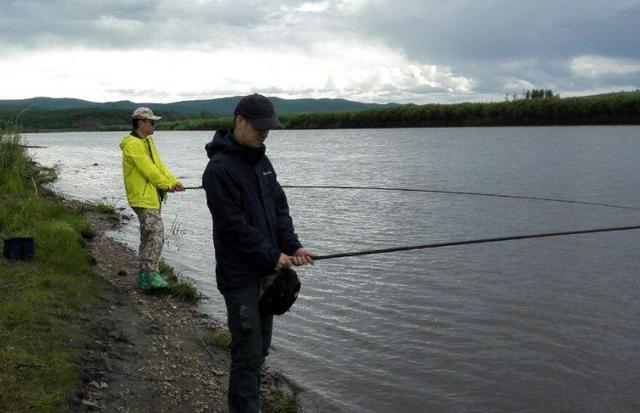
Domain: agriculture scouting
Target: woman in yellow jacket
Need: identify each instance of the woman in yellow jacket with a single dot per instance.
(147, 181)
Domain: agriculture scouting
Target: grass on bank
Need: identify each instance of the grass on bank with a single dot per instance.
(219, 337)
(279, 401)
(104, 208)
(179, 286)
(42, 301)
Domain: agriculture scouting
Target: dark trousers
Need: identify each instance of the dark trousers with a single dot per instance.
(251, 338)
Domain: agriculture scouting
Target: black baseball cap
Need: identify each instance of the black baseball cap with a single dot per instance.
(259, 111)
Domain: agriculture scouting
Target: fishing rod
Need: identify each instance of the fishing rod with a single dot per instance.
(464, 242)
(474, 241)
(440, 191)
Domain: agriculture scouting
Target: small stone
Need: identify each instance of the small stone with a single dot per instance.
(95, 164)
(90, 405)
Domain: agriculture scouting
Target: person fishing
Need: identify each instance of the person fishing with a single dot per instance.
(253, 236)
(147, 181)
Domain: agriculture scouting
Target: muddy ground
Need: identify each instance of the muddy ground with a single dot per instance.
(149, 353)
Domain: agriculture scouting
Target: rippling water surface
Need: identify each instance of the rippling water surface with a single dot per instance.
(544, 325)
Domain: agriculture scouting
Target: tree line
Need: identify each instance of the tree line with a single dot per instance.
(543, 109)
(86, 119)
(615, 109)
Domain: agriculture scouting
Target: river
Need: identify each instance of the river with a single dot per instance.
(542, 325)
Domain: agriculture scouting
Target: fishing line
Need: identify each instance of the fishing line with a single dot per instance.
(464, 242)
(439, 191)
(474, 241)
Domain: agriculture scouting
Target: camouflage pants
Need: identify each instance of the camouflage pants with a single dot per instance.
(151, 237)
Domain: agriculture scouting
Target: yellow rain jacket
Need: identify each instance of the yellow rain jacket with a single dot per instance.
(146, 178)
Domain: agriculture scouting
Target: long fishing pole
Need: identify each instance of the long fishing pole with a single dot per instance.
(464, 242)
(439, 191)
(473, 241)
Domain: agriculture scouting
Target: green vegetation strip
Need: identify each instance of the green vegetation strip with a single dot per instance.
(536, 108)
(44, 301)
(612, 109)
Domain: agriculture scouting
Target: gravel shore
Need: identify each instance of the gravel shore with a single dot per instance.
(151, 353)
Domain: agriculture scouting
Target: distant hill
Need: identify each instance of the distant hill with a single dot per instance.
(219, 106)
(634, 94)
(621, 108)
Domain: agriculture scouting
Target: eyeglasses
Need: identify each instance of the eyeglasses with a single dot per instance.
(151, 121)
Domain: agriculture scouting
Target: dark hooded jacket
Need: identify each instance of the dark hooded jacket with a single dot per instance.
(251, 221)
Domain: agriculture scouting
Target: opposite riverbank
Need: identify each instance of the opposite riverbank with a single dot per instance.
(75, 335)
(543, 109)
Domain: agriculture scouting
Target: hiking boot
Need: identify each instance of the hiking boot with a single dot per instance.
(144, 279)
(157, 281)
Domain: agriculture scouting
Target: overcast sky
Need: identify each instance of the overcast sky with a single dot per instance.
(366, 50)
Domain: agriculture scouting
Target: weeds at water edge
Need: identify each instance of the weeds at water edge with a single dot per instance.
(278, 401)
(179, 287)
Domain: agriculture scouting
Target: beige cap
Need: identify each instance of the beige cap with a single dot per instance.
(144, 113)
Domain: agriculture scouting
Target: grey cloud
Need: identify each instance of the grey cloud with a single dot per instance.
(196, 25)
(500, 44)
(480, 39)
(495, 81)
(133, 93)
(125, 24)
(440, 32)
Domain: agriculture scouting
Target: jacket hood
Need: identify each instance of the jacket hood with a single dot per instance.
(223, 141)
(126, 139)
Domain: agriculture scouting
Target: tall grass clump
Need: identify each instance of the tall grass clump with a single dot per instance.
(14, 164)
(179, 287)
(278, 401)
(44, 300)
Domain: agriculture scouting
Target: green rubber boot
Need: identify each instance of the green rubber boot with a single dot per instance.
(144, 278)
(157, 281)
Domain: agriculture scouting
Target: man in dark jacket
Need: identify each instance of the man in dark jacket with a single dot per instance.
(253, 236)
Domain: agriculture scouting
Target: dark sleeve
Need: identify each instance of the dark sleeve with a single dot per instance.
(224, 202)
(287, 237)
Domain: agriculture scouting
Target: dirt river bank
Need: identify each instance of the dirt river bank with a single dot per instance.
(153, 353)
